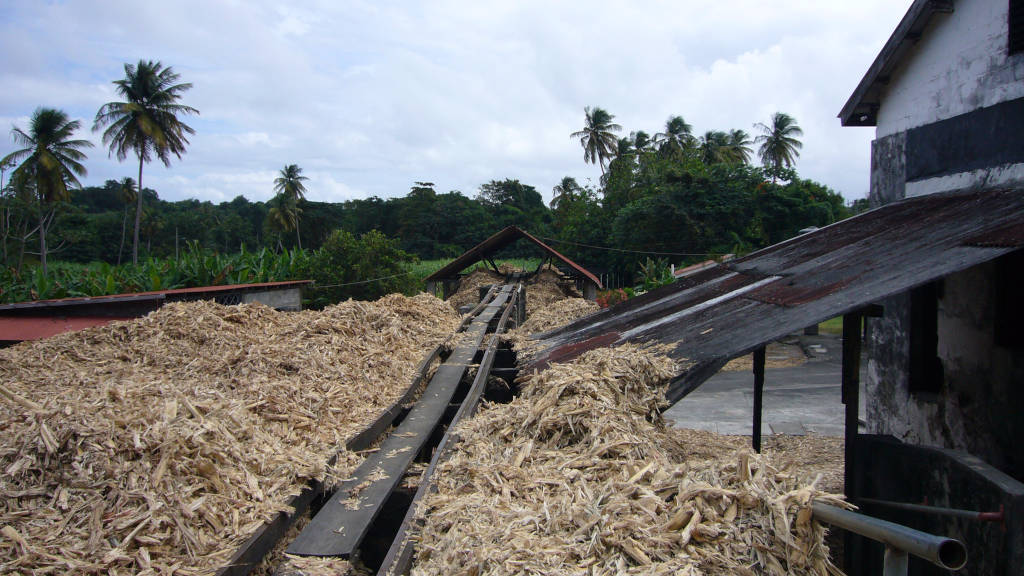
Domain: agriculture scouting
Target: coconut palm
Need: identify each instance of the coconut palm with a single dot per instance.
(283, 214)
(779, 146)
(49, 163)
(599, 144)
(565, 192)
(146, 124)
(290, 184)
(129, 195)
(676, 137)
(641, 140)
(739, 146)
(713, 147)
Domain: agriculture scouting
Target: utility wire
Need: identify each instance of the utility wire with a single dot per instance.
(362, 281)
(629, 251)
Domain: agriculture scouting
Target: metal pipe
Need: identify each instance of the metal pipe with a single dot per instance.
(895, 562)
(939, 510)
(944, 552)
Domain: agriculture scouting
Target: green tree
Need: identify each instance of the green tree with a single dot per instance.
(147, 122)
(364, 268)
(779, 145)
(49, 162)
(283, 215)
(599, 144)
(129, 194)
(713, 147)
(290, 184)
(641, 141)
(676, 138)
(739, 146)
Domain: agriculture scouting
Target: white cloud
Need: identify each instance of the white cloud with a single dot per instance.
(368, 97)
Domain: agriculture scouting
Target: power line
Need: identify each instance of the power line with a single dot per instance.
(629, 251)
(363, 281)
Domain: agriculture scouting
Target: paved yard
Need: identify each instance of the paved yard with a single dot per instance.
(797, 400)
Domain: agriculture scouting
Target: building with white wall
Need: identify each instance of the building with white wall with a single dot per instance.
(946, 359)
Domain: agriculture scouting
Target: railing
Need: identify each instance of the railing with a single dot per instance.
(899, 540)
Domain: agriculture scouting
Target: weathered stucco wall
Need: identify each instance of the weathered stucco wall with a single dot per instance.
(960, 64)
(980, 405)
(286, 299)
(888, 170)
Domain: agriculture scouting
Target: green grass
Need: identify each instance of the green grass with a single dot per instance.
(831, 326)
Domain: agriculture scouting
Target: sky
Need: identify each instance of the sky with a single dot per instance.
(370, 97)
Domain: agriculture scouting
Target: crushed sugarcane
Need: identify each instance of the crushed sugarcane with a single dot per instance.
(158, 446)
(580, 475)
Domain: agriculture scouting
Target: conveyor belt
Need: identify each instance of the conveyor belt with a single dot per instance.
(340, 526)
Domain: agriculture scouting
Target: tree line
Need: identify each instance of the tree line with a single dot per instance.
(672, 196)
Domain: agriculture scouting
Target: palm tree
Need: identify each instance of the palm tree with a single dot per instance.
(290, 184)
(146, 123)
(129, 194)
(599, 144)
(676, 137)
(641, 140)
(713, 147)
(779, 145)
(49, 162)
(565, 192)
(283, 215)
(739, 146)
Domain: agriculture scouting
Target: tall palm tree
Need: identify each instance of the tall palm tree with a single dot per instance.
(283, 215)
(779, 145)
(713, 147)
(599, 144)
(50, 161)
(565, 192)
(290, 184)
(641, 140)
(739, 146)
(676, 137)
(129, 195)
(146, 123)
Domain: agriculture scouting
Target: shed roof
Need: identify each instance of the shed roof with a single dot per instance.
(862, 107)
(19, 329)
(496, 242)
(154, 295)
(731, 309)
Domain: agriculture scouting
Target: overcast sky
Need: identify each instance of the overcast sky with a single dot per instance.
(368, 97)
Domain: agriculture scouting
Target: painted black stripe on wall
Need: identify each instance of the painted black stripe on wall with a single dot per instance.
(979, 139)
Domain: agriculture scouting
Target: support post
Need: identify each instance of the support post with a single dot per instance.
(851, 397)
(895, 562)
(755, 438)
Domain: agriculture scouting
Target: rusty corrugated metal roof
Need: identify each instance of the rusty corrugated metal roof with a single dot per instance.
(21, 328)
(496, 242)
(44, 318)
(132, 297)
(731, 309)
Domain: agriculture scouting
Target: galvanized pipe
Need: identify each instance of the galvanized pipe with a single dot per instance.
(940, 510)
(944, 552)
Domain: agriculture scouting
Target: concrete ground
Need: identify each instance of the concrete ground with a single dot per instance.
(799, 400)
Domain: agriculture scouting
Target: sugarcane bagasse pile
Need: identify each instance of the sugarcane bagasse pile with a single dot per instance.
(158, 446)
(581, 475)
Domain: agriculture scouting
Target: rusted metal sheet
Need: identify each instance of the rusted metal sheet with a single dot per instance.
(496, 242)
(131, 297)
(1009, 236)
(21, 328)
(732, 309)
(785, 293)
